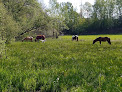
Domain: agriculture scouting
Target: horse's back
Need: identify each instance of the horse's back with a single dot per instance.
(75, 37)
(103, 39)
(40, 37)
(28, 38)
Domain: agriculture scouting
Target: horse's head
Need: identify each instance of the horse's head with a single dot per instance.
(94, 41)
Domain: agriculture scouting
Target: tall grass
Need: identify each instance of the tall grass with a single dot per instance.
(63, 65)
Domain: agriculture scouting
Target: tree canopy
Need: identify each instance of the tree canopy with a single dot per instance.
(20, 17)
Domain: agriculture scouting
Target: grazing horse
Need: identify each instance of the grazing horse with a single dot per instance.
(28, 39)
(75, 37)
(102, 39)
(39, 37)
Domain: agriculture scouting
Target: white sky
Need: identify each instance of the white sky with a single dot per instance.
(76, 3)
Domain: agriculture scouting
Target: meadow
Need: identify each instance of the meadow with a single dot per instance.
(63, 65)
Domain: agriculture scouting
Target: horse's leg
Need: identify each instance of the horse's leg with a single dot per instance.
(100, 42)
(77, 38)
(31, 39)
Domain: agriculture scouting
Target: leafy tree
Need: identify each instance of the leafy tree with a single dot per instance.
(8, 27)
(57, 18)
(24, 12)
(71, 18)
(104, 14)
(87, 10)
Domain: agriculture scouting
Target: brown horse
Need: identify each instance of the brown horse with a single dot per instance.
(75, 37)
(102, 39)
(39, 37)
(28, 39)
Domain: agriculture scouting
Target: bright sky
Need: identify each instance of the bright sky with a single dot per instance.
(75, 3)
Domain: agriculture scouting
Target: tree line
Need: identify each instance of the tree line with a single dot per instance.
(19, 18)
(104, 17)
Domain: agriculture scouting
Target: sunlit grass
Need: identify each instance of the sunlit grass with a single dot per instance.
(63, 65)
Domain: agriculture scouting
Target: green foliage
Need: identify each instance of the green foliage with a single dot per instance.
(63, 65)
(8, 27)
(25, 13)
(106, 15)
(58, 18)
(2, 47)
(28, 15)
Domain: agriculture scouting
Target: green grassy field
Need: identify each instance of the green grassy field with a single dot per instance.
(62, 65)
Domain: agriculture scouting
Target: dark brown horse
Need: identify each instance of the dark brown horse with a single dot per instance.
(39, 37)
(28, 39)
(102, 39)
(75, 37)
